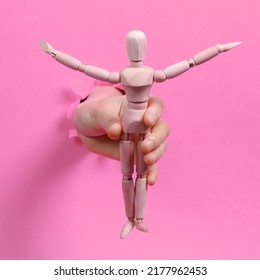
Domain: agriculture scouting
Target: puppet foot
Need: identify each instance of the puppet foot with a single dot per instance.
(141, 226)
(127, 228)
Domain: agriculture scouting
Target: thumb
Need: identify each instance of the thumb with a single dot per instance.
(109, 121)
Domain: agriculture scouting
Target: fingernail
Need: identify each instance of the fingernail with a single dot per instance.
(151, 179)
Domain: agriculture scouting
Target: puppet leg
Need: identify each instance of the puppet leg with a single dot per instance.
(140, 187)
(127, 168)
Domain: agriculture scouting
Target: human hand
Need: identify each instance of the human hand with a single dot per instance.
(98, 123)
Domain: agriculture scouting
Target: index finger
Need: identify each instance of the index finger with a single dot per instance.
(154, 111)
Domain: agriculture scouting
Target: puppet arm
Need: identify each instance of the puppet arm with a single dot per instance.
(177, 69)
(73, 63)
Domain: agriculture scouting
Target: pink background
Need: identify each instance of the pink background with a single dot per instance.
(59, 201)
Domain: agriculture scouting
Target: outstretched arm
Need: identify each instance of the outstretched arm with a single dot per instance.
(75, 64)
(181, 67)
